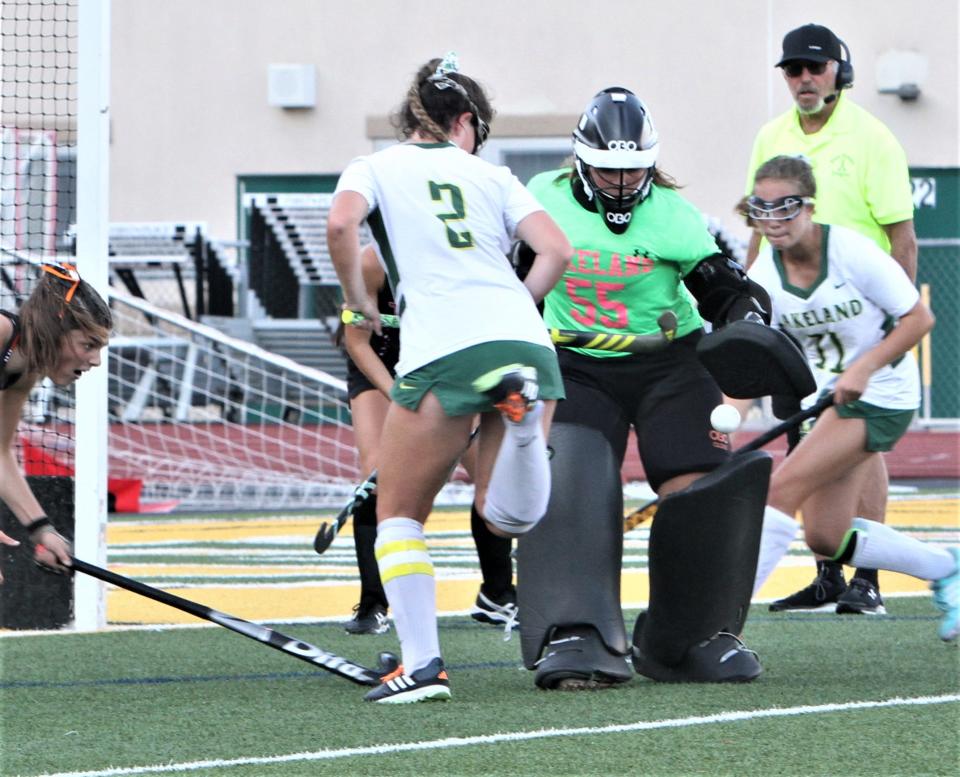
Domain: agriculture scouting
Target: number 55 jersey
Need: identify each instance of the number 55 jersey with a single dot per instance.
(621, 283)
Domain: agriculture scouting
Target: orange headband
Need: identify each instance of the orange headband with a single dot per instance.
(66, 273)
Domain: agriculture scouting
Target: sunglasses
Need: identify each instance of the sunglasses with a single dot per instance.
(66, 274)
(795, 69)
(784, 209)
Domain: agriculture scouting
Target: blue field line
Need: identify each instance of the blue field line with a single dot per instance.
(446, 624)
(213, 678)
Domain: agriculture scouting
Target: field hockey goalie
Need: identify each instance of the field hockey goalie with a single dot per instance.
(702, 559)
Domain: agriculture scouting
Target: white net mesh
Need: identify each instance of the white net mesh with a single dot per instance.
(38, 110)
(206, 422)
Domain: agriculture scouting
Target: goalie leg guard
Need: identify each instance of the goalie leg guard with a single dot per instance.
(703, 558)
(568, 568)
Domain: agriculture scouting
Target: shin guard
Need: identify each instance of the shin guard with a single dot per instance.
(568, 567)
(703, 558)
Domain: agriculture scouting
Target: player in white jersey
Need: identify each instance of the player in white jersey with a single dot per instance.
(472, 341)
(857, 315)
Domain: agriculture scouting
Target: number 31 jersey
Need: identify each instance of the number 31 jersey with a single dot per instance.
(855, 301)
(444, 221)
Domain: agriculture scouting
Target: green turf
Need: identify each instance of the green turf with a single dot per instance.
(89, 702)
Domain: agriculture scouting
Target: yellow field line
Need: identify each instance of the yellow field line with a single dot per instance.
(327, 598)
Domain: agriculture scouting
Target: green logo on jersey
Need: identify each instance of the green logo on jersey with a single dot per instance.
(826, 315)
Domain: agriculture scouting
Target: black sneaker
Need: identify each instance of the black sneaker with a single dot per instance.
(820, 596)
(861, 598)
(513, 389)
(427, 684)
(500, 611)
(370, 619)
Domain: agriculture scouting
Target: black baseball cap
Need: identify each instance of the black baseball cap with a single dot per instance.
(810, 43)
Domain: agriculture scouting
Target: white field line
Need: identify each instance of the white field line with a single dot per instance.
(517, 736)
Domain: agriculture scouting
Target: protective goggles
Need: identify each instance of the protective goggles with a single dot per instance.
(783, 209)
(795, 69)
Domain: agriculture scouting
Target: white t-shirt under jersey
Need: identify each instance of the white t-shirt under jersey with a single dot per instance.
(444, 221)
(858, 297)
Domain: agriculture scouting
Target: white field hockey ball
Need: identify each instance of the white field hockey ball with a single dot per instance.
(725, 418)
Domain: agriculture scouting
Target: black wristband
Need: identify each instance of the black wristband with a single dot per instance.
(39, 523)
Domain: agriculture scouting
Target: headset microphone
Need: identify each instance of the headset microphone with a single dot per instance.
(844, 74)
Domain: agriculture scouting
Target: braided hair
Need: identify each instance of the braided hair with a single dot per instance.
(437, 96)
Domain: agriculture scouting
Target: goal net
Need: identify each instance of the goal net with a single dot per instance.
(203, 421)
(38, 137)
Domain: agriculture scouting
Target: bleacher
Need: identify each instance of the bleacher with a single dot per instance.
(299, 222)
(289, 264)
(174, 265)
(290, 271)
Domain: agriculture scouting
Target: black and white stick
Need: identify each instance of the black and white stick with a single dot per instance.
(575, 338)
(328, 532)
(648, 510)
(356, 673)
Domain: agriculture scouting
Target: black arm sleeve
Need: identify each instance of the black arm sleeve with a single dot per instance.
(521, 257)
(724, 293)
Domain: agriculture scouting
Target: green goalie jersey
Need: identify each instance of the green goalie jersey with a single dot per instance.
(622, 283)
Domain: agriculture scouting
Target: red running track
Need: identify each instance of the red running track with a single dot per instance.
(919, 454)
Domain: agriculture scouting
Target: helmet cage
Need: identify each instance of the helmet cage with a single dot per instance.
(616, 194)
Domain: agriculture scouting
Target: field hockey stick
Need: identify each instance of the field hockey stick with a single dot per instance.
(646, 511)
(328, 532)
(574, 338)
(624, 343)
(342, 667)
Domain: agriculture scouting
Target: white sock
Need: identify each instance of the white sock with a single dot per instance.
(520, 483)
(778, 532)
(883, 547)
(407, 575)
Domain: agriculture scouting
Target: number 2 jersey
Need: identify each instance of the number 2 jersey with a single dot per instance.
(857, 299)
(622, 283)
(444, 221)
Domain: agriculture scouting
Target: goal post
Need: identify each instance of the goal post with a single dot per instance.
(92, 247)
(54, 116)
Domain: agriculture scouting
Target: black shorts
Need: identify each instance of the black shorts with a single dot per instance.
(357, 382)
(666, 396)
(387, 348)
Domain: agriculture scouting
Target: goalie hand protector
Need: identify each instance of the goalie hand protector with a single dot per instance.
(749, 360)
(724, 293)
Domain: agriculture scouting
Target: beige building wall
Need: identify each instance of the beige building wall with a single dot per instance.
(189, 83)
